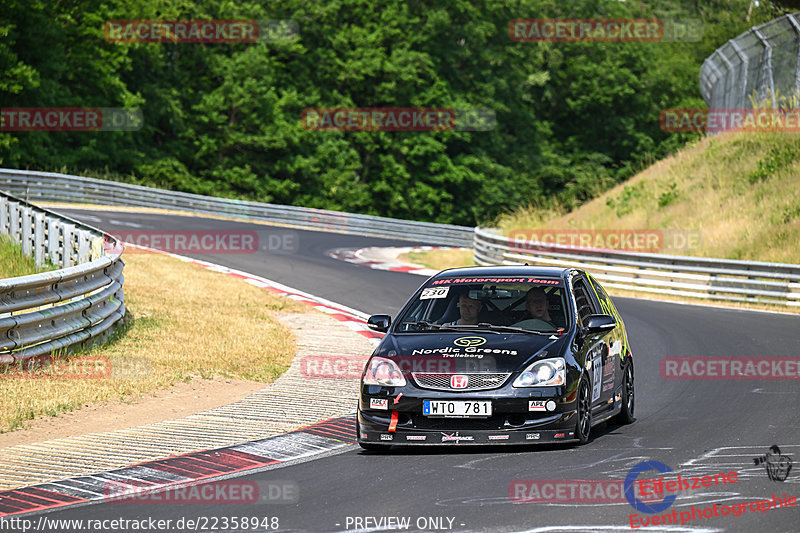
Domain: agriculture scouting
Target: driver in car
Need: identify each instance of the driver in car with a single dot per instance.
(469, 309)
(537, 305)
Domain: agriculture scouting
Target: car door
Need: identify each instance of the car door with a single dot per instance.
(617, 339)
(595, 346)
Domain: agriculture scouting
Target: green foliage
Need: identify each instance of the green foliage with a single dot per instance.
(13, 263)
(668, 196)
(777, 158)
(573, 119)
(624, 204)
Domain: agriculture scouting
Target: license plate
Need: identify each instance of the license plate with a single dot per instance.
(457, 409)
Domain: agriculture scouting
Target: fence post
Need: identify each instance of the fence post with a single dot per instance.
(766, 66)
(26, 231)
(39, 241)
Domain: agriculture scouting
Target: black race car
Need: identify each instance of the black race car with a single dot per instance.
(497, 355)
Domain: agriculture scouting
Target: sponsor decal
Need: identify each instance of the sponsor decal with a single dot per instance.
(618, 397)
(536, 405)
(379, 403)
(456, 437)
(559, 436)
(498, 437)
(459, 281)
(459, 381)
(597, 369)
(468, 342)
(434, 292)
(416, 437)
(363, 435)
(384, 436)
(608, 386)
(778, 466)
(608, 369)
(471, 351)
(532, 436)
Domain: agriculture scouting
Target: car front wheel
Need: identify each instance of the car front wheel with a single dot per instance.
(584, 424)
(628, 397)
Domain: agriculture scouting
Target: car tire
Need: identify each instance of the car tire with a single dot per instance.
(628, 397)
(583, 426)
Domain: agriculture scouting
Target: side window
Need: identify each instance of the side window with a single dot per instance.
(605, 300)
(583, 300)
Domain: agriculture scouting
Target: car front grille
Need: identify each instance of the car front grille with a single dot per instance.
(475, 381)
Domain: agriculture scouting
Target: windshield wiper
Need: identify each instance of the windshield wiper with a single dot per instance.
(429, 325)
(492, 327)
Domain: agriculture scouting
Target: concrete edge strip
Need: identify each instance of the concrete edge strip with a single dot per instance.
(187, 469)
(126, 485)
(362, 256)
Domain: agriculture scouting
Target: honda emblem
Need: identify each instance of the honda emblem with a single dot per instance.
(459, 382)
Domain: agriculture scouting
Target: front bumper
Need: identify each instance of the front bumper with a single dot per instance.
(512, 421)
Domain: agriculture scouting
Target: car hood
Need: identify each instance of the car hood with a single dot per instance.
(469, 352)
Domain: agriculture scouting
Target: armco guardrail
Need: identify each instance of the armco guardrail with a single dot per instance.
(765, 59)
(697, 277)
(50, 187)
(64, 308)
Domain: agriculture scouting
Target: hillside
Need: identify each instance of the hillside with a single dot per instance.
(739, 193)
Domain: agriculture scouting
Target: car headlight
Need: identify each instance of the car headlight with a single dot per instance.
(384, 372)
(543, 373)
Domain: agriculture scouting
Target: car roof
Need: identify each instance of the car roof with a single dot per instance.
(505, 270)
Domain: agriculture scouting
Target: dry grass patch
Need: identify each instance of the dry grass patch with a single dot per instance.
(188, 323)
(439, 259)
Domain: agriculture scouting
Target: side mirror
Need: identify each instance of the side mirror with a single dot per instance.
(379, 322)
(599, 324)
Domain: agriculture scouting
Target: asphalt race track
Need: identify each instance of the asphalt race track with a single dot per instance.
(694, 427)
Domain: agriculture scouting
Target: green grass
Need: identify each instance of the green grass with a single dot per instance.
(13, 263)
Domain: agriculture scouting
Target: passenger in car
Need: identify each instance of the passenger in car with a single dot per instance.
(537, 305)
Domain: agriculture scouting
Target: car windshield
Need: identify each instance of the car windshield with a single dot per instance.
(505, 305)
